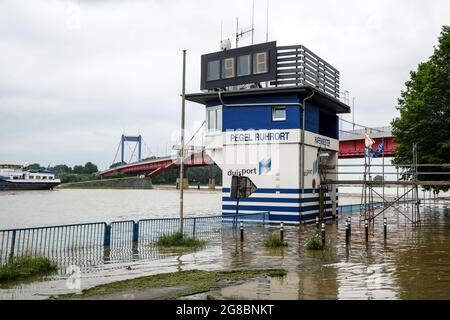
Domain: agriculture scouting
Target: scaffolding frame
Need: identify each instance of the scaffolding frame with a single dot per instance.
(407, 176)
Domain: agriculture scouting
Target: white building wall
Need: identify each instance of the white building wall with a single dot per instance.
(279, 186)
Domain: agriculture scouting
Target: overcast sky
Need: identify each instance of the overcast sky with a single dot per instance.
(75, 75)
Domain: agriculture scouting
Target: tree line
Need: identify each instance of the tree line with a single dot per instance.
(195, 175)
(88, 171)
(68, 174)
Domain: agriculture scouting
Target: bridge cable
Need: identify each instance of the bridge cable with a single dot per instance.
(117, 152)
(149, 150)
(196, 132)
(132, 152)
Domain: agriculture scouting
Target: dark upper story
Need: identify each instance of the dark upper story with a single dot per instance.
(276, 66)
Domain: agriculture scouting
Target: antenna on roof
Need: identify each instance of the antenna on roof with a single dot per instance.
(267, 22)
(221, 33)
(253, 20)
(244, 31)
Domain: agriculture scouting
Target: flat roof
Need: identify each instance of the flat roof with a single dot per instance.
(319, 96)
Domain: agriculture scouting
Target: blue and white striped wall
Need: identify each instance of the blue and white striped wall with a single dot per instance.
(287, 205)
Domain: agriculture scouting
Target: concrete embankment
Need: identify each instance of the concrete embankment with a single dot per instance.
(122, 183)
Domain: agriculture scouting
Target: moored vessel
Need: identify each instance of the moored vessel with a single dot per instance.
(14, 177)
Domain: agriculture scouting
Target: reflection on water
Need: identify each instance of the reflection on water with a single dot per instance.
(414, 263)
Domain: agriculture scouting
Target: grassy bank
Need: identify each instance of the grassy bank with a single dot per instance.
(190, 282)
(25, 268)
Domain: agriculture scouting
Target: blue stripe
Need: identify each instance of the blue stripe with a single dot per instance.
(273, 208)
(286, 191)
(282, 217)
(279, 200)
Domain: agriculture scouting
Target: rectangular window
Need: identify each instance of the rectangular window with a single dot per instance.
(243, 65)
(214, 119)
(260, 64)
(228, 68)
(213, 70)
(219, 119)
(278, 113)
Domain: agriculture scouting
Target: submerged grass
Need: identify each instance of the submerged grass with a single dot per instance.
(25, 268)
(193, 281)
(179, 241)
(315, 243)
(274, 241)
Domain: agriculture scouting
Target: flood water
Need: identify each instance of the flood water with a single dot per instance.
(414, 262)
(66, 206)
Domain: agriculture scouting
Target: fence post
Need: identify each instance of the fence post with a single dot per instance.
(346, 232)
(281, 231)
(13, 241)
(366, 225)
(350, 226)
(135, 231)
(193, 228)
(323, 233)
(107, 235)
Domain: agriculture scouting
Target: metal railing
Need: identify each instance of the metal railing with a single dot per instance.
(67, 240)
(297, 65)
(351, 208)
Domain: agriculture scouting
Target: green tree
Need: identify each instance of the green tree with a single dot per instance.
(34, 166)
(78, 169)
(425, 113)
(62, 168)
(89, 167)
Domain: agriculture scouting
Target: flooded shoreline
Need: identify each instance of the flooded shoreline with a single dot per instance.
(413, 263)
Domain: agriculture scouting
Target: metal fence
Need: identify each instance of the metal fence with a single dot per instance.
(350, 208)
(68, 240)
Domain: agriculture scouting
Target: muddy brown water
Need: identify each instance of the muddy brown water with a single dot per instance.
(414, 263)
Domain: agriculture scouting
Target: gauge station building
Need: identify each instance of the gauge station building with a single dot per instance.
(272, 115)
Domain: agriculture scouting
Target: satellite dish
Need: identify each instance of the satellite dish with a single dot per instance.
(225, 44)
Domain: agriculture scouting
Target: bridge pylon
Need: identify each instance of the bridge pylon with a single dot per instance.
(137, 139)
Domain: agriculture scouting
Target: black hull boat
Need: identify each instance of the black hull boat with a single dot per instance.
(8, 185)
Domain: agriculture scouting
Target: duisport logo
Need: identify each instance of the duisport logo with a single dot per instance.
(265, 166)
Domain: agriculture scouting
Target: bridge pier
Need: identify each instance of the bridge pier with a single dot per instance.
(211, 180)
(212, 184)
(185, 183)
